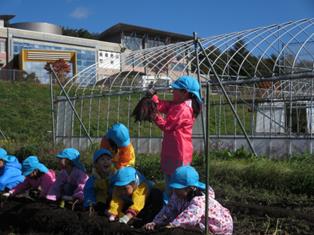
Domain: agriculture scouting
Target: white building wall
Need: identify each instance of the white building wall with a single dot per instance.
(270, 118)
(108, 59)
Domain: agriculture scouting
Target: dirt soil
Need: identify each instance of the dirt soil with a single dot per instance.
(20, 217)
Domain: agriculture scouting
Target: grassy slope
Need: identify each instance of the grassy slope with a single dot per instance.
(25, 114)
(25, 111)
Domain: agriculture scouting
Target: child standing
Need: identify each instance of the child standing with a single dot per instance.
(186, 207)
(38, 177)
(97, 187)
(117, 140)
(71, 179)
(10, 171)
(180, 114)
(130, 192)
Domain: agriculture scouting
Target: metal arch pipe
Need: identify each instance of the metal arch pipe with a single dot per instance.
(299, 51)
(281, 28)
(292, 38)
(295, 76)
(71, 104)
(256, 46)
(229, 101)
(205, 131)
(205, 134)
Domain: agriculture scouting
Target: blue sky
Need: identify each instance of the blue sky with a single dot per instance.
(206, 17)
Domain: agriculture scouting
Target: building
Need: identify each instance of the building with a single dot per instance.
(134, 37)
(27, 47)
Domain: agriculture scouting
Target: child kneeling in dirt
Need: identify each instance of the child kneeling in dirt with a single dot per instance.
(38, 179)
(133, 196)
(117, 141)
(70, 180)
(10, 171)
(186, 207)
(96, 190)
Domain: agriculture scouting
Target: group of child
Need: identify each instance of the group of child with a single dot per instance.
(119, 191)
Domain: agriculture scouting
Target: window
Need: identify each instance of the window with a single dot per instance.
(2, 46)
(132, 43)
(298, 118)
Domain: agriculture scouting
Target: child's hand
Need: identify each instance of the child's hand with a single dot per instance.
(170, 226)
(6, 194)
(112, 218)
(124, 219)
(150, 226)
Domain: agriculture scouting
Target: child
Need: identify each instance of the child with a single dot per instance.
(181, 112)
(97, 186)
(130, 192)
(71, 179)
(186, 207)
(38, 177)
(117, 140)
(10, 171)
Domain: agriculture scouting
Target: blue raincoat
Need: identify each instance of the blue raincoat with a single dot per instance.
(10, 174)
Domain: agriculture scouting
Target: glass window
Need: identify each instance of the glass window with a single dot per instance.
(132, 42)
(85, 58)
(2, 46)
(153, 43)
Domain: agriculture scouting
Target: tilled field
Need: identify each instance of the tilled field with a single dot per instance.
(20, 217)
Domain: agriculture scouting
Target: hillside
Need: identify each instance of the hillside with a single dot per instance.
(26, 117)
(25, 111)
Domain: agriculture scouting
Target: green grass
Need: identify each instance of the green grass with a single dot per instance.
(240, 170)
(26, 113)
(231, 171)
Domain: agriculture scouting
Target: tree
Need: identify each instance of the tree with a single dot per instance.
(160, 63)
(61, 68)
(80, 33)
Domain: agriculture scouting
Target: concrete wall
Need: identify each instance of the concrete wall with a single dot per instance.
(263, 146)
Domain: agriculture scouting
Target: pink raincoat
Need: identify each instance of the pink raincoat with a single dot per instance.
(191, 214)
(44, 183)
(77, 179)
(177, 147)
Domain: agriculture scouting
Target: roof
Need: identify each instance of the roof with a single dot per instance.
(120, 27)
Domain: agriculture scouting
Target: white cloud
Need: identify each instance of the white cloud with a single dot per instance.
(80, 13)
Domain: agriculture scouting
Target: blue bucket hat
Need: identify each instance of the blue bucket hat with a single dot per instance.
(125, 176)
(101, 152)
(190, 84)
(32, 163)
(3, 153)
(5, 157)
(185, 176)
(73, 155)
(119, 133)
